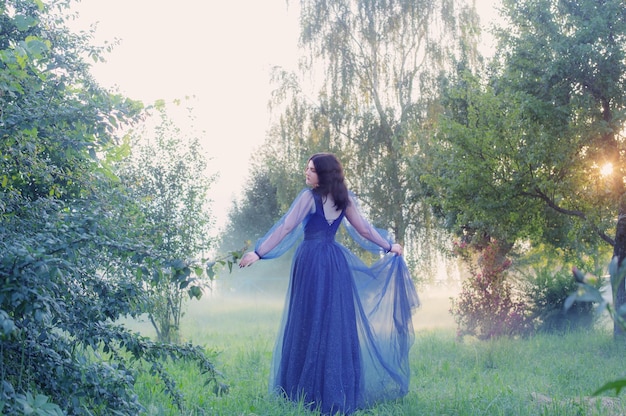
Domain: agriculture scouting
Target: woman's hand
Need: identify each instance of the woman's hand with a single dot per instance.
(397, 249)
(248, 258)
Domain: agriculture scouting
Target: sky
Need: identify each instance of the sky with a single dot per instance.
(218, 52)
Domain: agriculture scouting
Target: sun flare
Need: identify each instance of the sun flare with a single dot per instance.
(606, 169)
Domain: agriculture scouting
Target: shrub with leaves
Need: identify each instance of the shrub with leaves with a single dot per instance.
(546, 292)
(69, 255)
(165, 175)
(486, 307)
(66, 279)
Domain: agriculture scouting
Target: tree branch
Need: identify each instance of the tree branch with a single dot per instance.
(573, 213)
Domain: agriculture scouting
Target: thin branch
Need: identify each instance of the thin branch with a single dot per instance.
(574, 213)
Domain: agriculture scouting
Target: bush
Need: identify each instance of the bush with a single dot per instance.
(58, 306)
(486, 307)
(546, 293)
(72, 261)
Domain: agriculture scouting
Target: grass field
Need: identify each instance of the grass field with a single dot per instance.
(541, 375)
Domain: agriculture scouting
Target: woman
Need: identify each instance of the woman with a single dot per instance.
(346, 330)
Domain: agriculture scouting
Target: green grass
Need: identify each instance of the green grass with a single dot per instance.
(541, 375)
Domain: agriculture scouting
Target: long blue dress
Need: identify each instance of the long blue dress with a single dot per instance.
(347, 328)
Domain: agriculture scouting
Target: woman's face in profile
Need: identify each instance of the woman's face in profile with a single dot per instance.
(311, 175)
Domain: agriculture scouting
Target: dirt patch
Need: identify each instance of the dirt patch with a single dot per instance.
(610, 405)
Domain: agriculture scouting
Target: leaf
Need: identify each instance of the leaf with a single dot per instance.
(616, 385)
(36, 46)
(613, 269)
(585, 293)
(209, 270)
(7, 326)
(113, 121)
(195, 292)
(157, 276)
(23, 23)
(178, 264)
(578, 275)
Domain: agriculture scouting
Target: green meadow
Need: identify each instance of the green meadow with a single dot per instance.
(546, 374)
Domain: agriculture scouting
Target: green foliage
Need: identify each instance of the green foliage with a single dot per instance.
(256, 212)
(374, 105)
(167, 184)
(589, 292)
(65, 281)
(37, 405)
(70, 259)
(521, 144)
(547, 291)
(229, 260)
(486, 306)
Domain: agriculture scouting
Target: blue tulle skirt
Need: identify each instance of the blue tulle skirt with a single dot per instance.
(346, 330)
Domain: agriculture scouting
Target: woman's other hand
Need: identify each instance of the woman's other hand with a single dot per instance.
(248, 258)
(397, 249)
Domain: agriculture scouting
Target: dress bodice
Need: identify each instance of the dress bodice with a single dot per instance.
(318, 227)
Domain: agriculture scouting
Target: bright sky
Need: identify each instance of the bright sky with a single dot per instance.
(220, 52)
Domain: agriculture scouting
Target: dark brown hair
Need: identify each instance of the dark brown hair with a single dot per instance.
(330, 178)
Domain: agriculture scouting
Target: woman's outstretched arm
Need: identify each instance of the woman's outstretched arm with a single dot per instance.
(270, 245)
(367, 230)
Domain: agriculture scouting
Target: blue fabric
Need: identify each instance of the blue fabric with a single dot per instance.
(347, 328)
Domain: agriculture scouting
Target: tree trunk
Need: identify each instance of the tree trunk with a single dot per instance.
(619, 250)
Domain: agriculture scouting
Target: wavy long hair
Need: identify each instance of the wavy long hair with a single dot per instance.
(330, 178)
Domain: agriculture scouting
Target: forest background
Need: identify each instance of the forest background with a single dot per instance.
(512, 163)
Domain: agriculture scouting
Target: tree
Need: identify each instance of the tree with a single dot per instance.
(375, 104)
(167, 178)
(256, 212)
(525, 155)
(293, 138)
(69, 263)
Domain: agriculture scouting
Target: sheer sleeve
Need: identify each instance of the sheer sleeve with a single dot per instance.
(364, 233)
(284, 234)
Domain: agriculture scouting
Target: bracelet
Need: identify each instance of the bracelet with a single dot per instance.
(389, 249)
(257, 253)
